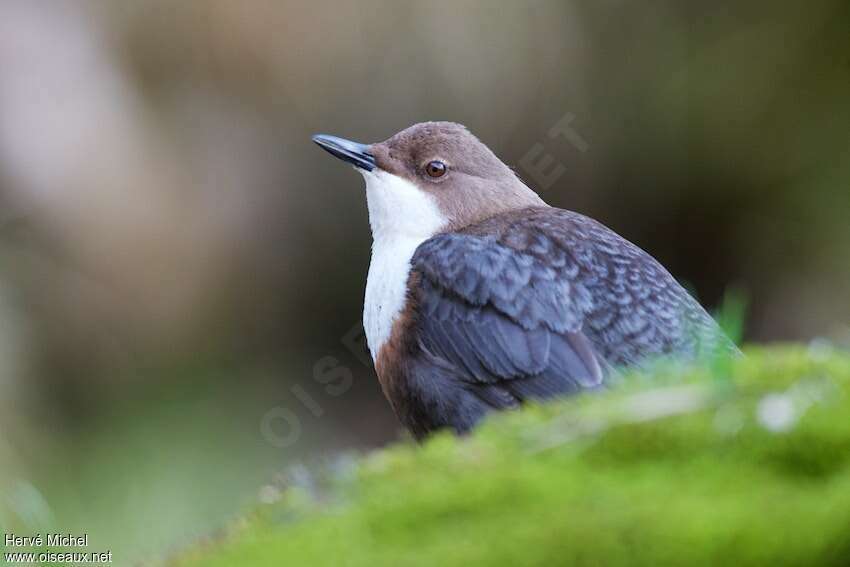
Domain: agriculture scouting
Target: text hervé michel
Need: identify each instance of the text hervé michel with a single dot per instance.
(50, 540)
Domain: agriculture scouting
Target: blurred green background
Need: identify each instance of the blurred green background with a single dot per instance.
(182, 271)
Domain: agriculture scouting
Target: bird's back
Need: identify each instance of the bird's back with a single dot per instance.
(634, 309)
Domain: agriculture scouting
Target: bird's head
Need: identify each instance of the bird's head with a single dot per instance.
(431, 177)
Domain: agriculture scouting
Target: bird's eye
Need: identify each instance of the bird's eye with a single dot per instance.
(435, 169)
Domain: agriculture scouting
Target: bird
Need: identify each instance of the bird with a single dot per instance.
(482, 297)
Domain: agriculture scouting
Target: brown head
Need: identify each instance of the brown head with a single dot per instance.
(431, 177)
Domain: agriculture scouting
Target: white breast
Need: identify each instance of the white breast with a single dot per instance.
(402, 217)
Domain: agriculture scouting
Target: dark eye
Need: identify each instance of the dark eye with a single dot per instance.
(435, 168)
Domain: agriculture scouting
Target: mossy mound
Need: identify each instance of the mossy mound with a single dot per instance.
(745, 462)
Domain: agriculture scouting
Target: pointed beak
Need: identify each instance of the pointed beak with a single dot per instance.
(356, 154)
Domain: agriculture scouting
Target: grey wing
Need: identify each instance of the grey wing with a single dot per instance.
(508, 323)
(634, 309)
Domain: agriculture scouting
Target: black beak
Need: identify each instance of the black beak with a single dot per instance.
(346, 150)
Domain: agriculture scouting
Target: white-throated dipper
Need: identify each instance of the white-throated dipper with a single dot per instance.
(481, 296)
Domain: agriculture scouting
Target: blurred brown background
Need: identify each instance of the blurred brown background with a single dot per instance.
(177, 260)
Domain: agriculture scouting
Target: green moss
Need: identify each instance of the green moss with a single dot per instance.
(676, 468)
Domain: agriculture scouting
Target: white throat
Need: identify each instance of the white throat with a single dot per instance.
(402, 217)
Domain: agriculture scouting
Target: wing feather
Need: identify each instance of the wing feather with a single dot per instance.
(507, 321)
